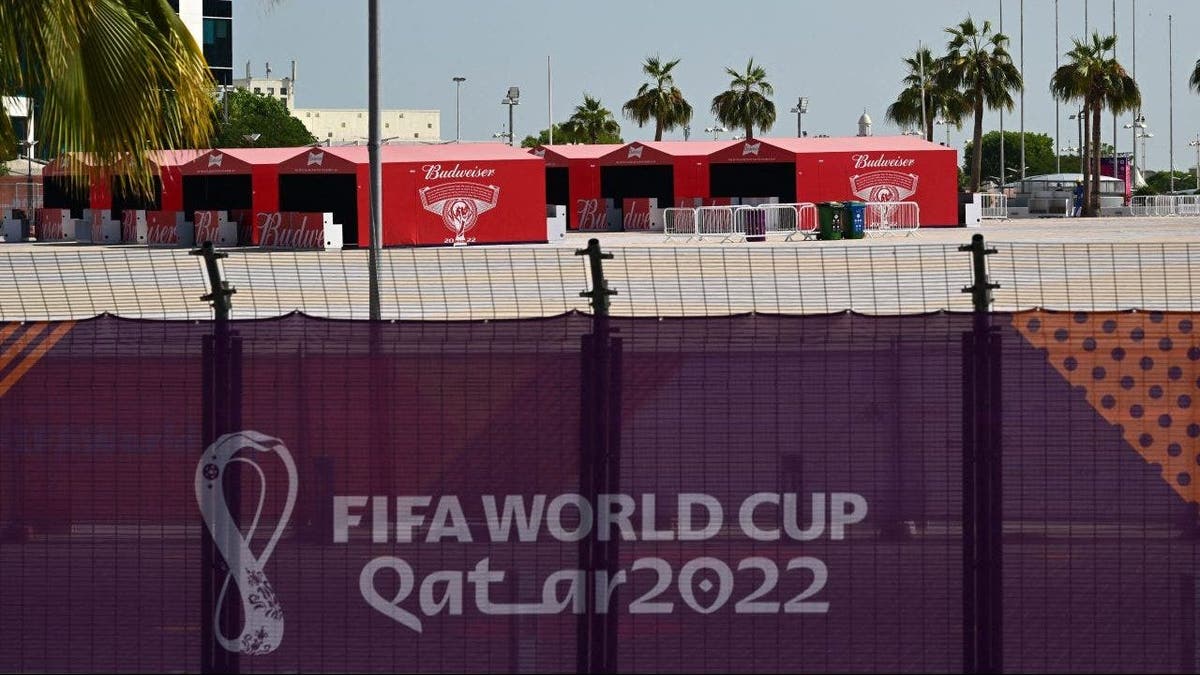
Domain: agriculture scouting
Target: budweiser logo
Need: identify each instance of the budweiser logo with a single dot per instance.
(49, 224)
(881, 161)
(459, 205)
(884, 186)
(637, 214)
(635, 151)
(751, 149)
(97, 227)
(161, 234)
(316, 159)
(215, 160)
(592, 215)
(206, 226)
(540, 152)
(129, 226)
(436, 172)
(291, 230)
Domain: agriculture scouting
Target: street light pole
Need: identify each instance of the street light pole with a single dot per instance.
(1196, 144)
(457, 114)
(514, 93)
(800, 108)
(375, 132)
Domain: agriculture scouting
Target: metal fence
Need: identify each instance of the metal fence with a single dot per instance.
(1166, 205)
(54, 283)
(668, 489)
(995, 206)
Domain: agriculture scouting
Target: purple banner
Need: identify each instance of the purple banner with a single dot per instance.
(787, 495)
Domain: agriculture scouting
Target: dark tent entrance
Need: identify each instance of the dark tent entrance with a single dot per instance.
(66, 192)
(323, 192)
(557, 187)
(770, 179)
(652, 180)
(226, 192)
(124, 197)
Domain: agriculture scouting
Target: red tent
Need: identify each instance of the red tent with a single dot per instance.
(235, 179)
(432, 194)
(862, 168)
(573, 175)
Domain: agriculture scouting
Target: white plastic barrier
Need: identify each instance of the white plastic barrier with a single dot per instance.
(714, 221)
(1165, 205)
(885, 217)
(807, 222)
(679, 223)
(995, 206)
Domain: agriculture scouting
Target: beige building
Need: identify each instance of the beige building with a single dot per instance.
(345, 126)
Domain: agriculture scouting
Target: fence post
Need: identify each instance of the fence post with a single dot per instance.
(982, 501)
(599, 466)
(220, 414)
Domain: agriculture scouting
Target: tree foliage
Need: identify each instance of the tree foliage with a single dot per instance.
(929, 77)
(977, 61)
(591, 122)
(1039, 155)
(746, 104)
(250, 113)
(659, 100)
(112, 78)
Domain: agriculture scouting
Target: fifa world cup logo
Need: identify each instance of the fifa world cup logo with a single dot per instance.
(460, 205)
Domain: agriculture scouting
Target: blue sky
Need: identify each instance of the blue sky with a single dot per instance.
(845, 57)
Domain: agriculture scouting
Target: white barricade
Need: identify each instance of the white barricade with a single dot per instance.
(807, 222)
(679, 222)
(1165, 205)
(995, 206)
(885, 217)
(714, 221)
(765, 220)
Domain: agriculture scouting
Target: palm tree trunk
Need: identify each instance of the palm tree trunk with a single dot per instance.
(1096, 151)
(658, 128)
(749, 131)
(977, 143)
(929, 128)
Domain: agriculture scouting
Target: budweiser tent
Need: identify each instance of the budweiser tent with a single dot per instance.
(242, 179)
(73, 181)
(639, 176)
(572, 174)
(461, 193)
(432, 194)
(334, 180)
(863, 168)
(103, 188)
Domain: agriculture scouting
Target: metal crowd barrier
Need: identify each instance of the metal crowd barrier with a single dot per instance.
(679, 222)
(885, 217)
(995, 206)
(1165, 205)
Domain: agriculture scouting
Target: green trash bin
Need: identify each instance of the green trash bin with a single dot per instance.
(853, 221)
(830, 215)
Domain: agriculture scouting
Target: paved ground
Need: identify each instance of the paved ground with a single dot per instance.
(1116, 263)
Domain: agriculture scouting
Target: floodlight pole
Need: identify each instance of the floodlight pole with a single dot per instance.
(375, 233)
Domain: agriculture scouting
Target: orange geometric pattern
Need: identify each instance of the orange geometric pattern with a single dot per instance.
(22, 345)
(1141, 372)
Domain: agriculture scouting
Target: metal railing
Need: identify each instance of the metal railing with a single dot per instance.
(887, 217)
(714, 221)
(679, 223)
(995, 206)
(1165, 205)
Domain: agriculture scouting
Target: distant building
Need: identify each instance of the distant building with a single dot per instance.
(344, 126)
(211, 25)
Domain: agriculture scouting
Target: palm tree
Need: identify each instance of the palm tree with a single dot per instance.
(978, 62)
(1195, 81)
(1100, 81)
(660, 101)
(942, 97)
(113, 78)
(745, 104)
(591, 121)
